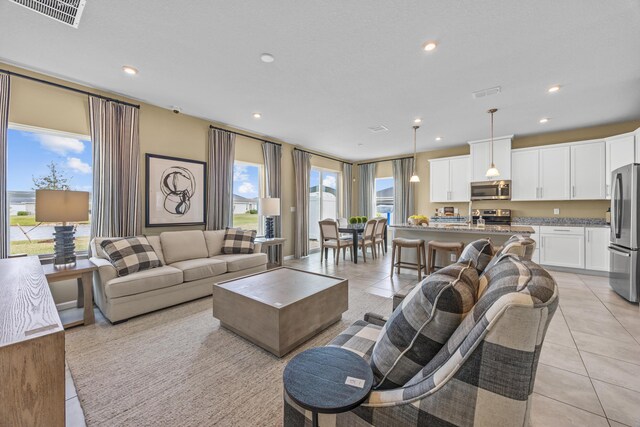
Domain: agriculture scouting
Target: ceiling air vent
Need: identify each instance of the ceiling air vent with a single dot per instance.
(378, 129)
(65, 11)
(486, 92)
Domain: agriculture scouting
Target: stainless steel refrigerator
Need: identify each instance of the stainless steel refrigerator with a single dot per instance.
(625, 232)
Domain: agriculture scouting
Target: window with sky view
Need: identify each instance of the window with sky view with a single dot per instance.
(246, 192)
(40, 159)
(384, 198)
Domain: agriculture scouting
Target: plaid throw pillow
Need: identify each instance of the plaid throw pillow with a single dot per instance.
(479, 252)
(520, 245)
(422, 324)
(238, 241)
(130, 254)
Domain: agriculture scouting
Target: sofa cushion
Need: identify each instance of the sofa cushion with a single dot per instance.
(358, 338)
(130, 254)
(238, 241)
(183, 245)
(143, 281)
(423, 323)
(522, 246)
(479, 252)
(237, 262)
(214, 240)
(154, 241)
(196, 269)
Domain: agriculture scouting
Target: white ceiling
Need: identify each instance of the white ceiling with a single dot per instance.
(344, 66)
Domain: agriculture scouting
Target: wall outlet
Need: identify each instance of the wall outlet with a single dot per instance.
(293, 208)
(452, 257)
(556, 211)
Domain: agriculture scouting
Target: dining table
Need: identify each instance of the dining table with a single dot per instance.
(355, 230)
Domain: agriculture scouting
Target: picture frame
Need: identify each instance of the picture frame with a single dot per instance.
(175, 191)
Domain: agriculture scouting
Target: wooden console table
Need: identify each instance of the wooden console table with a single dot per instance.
(31, 347)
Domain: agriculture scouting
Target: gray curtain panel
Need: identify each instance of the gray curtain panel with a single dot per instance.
(367, 190)
(115, 208)
(302, 171)
(347, 186)
(222, 153)
(403, 198)
(273, 171)
(4, 125)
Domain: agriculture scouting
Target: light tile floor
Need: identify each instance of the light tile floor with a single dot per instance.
(589, 371)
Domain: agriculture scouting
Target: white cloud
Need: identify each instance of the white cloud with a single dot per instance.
(329, 181)
(240, 173)
(78, 165)
(247, 188)
(61, 145)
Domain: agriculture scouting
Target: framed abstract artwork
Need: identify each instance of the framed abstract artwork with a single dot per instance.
(175, 191)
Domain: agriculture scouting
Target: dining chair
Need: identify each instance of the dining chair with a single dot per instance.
(379, 243)
(330, 238)
(368, 239)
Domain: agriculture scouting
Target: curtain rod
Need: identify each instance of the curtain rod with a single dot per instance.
(69, 88)
(385, 160)
(323, 155)
(245, 135)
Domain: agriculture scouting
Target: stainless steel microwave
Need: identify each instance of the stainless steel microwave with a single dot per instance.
(491, 190)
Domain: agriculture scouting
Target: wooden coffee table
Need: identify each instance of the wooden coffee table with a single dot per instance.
(280, 309)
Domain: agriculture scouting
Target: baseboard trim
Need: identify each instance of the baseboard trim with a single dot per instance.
(289, 257)
(66, 305)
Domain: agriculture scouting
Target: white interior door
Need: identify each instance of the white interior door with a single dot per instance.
(555, 177)
(439, 180)
(588, 171)
(524, 177)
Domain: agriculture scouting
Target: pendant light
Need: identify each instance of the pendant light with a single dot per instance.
(492, 172)
(414, 176)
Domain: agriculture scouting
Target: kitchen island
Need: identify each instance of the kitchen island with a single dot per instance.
(456, 232)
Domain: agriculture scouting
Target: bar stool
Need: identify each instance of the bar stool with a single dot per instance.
(447, 247)
(418, 245)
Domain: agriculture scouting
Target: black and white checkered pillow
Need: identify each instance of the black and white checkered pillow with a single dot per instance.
(479, 252)
(130, 254)
(238, 241)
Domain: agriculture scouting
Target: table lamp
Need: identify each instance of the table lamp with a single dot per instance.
(62, 206)
(269, 207)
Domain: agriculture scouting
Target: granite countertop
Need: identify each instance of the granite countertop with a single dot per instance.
(561, 222)
(467, 228)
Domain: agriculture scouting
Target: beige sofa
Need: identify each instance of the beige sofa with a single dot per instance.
(192, 261)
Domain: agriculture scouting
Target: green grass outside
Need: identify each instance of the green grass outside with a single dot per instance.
(42, 247)
(246, 221)
(28, 220)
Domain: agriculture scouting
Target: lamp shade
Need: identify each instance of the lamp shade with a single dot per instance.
(269, 206)
(62, 206)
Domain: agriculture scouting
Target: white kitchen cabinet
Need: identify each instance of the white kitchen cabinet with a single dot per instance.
(588, 170)
(555, 177)
(596, 252)
(620, 151)
(536, 237)
(449, 179)
(562, 246)
(481, 158)
(524, 174)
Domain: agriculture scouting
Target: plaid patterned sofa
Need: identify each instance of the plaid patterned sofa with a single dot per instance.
(484, 374)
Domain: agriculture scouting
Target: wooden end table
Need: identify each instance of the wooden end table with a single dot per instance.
(82, 271)
(328, 380)
(275, 256)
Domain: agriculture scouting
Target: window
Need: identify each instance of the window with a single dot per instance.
(323, 200)
(43, 159)
(247, 189)
(384, 198)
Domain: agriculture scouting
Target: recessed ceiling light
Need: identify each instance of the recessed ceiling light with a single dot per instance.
(132, 71)
(417, 121)
(544, 120)
(267, 57)
(438, 138)
(429, 45)
(360, 145)
(257, 115)
(553, 89)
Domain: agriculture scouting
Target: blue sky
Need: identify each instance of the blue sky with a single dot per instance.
(246, 180)
(29, 153)
(382, 183)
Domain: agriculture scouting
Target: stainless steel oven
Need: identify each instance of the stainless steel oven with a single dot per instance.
(491, 190)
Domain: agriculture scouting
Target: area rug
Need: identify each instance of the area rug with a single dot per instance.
(179, 367)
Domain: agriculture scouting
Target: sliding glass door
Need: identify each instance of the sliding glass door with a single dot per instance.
(323, 201)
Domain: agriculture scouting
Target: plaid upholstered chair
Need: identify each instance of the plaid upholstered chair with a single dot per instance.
(482, 376)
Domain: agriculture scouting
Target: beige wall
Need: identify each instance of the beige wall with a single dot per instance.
(578, 209)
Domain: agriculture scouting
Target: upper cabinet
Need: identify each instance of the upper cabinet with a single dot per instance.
(524, 179)
(481, 158)
(541, 173)
(449, 179)
(620, 151)
(588, 170)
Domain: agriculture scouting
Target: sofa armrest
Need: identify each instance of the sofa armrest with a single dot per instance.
(257, 248)
(106, 270)
(376, 319)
